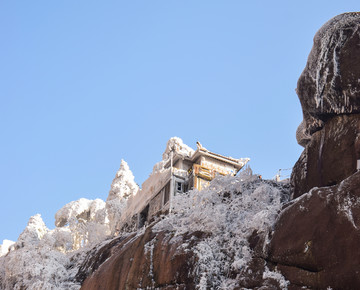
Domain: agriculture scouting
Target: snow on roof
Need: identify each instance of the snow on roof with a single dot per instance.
(182, 150)
(237, 162)
(177, 145)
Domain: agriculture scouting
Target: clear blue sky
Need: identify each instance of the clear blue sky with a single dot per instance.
(84, 84)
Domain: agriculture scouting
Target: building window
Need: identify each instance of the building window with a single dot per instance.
(179, 187)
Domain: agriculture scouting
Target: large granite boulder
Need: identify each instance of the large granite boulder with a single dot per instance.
(330, 82)
(150, 260)
(329, 92)
(330, 156)
(316, 240)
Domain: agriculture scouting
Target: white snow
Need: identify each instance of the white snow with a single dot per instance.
(346, 205)
(5, 247)
(34, 231)
(276, 276)
(41, 258)
(122, 189)
(86, 219)
(177, 145)
(123, 185)
(149, 249)
(231, 209)
(36, 263)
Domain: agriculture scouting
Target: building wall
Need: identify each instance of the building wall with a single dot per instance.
(156, 191)
(156, 204)
(218, 165)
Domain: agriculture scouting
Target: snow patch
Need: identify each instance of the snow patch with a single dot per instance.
(346, 205)
(283, 283)
(230, 210)
(5, 247)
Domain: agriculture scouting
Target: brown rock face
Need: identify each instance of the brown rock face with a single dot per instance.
(148, 261)
(329, 92)
(330, 84)
(330, 156)
(316, 240)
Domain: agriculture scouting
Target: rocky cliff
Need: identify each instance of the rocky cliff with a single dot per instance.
(214, 239)
(314, 242)
(309, 242)
(239, 233)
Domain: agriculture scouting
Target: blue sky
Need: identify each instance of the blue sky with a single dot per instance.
(85, 84)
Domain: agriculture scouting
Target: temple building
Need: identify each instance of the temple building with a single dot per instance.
(181, 169)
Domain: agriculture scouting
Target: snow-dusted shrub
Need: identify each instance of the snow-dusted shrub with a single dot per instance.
(36, 267)
(230, 209)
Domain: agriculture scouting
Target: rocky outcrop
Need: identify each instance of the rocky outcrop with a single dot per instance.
(316, 240)
(313, 243)
(159, 260)
(148, 261)
(330, 156)
(213, 239)
(330, 84)
(329, 92)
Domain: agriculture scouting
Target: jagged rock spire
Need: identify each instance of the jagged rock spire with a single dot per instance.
(34, 231)
(123, 185)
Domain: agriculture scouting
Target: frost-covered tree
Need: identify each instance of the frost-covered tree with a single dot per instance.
(123, 185)
(42, 258)
(230, 210)
(86, 219)
(122, 188)
(34, 262)
(33, 233)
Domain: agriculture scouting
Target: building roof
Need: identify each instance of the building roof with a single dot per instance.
(201, 151)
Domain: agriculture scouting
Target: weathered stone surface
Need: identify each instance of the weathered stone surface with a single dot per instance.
(330, 83)
(98, 255)
(148, 261)
(329, 92)
(330, 156)
(316, 240)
